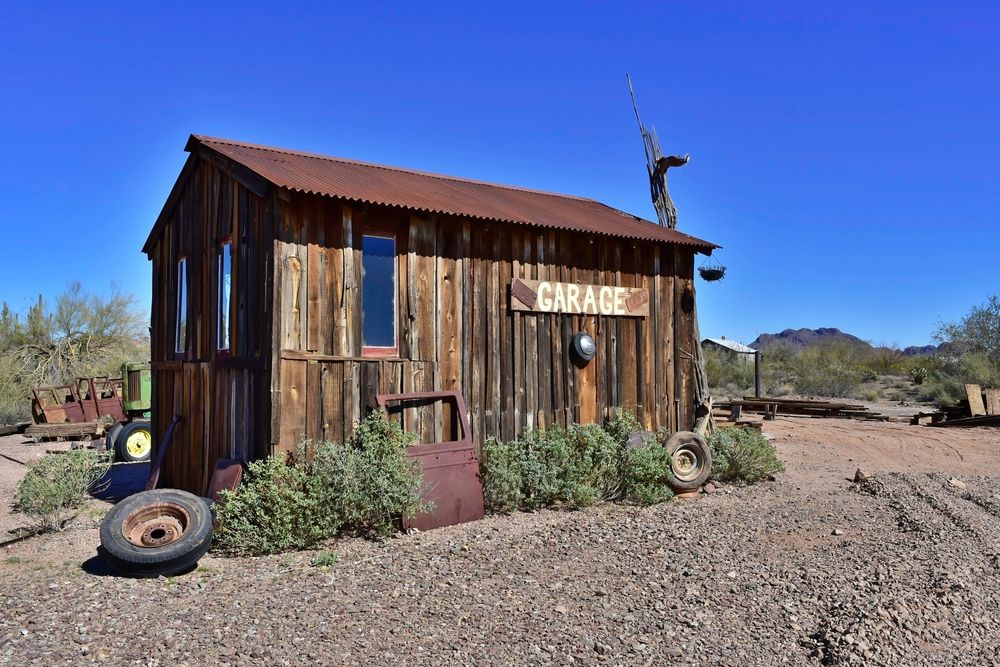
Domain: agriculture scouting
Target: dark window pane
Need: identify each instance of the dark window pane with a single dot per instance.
(378, 285)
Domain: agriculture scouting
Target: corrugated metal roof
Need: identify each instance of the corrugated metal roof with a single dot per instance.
(393, 186)
(731, 344)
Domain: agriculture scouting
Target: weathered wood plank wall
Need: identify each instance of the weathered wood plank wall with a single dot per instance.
(222, 397)
(456, 328)
(296, 367)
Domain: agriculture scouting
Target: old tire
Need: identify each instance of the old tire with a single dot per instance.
(690, 460)
(111, 439)
(135, 442)
(156, 533)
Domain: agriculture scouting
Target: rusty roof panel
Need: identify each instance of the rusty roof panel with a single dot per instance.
(392, 186)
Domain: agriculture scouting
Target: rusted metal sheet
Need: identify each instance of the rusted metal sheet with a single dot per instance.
(57, 405)
(451, 469)
(393, 186)
(226, 477)
(86, 401)
(99, 397)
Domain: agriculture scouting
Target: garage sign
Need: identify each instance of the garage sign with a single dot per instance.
(543, 296)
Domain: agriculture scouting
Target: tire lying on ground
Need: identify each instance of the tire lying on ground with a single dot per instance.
(154, 533)
(690, 460)
(134, 442)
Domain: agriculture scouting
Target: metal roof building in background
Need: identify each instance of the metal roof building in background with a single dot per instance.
(729, 345)
(419, 191)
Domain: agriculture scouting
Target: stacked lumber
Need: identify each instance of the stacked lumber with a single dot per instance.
(69, 430)
(802, 407)
(11, 429)
(978, 409)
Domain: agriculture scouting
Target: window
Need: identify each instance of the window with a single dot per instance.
(180, 319)
(225, 267)
(378, 295)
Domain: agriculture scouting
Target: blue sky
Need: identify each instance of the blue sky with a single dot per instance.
(843, 153)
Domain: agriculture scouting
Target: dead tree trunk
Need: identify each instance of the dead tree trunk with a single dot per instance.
(657, 165)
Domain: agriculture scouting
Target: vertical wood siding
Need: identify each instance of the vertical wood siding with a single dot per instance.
(457, 331)
(296, 368)
(222, 398)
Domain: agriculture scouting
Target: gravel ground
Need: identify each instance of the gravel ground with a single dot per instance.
(809, 569)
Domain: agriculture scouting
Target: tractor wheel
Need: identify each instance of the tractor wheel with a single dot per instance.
(112, 436)
(135, 442)
(156, 533)
(690, 460)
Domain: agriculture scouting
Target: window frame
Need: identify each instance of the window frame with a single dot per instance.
(219, 246)
(377, 350)
(181, 303)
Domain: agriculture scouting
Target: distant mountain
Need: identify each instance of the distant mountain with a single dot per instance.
(916, 350)
(799, 338)
(804, 338)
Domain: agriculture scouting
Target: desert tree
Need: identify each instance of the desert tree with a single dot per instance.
(977, 332)
(83, 334)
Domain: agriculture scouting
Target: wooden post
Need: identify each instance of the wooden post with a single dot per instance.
(756, 373)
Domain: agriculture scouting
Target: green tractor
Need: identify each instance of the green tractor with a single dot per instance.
(131, 439)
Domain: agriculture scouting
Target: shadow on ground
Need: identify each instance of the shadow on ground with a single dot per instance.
(122, 481)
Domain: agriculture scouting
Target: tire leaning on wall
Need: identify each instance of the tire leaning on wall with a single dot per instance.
(690, 460)
(156, 533)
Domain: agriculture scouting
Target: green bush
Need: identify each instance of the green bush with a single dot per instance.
(57, 485)
(646, 474)
(275, 509)
(945, 383)
(370, 483)
(831, 369)
(742, 455)
(883, 360)
(364, 486)
(575, 467)
(325, 559)
(731, 374)
(918, 374)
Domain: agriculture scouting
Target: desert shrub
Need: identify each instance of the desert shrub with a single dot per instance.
(977, 332)
(575, 467)
(365, 486)
(831, 369)
(57, 485)
(82, 334)
(500, 469)
(883, 360)
(646, 474)
(729, 372)
(369, 482)
(918, 374)
(275, 509)
(325, 559)
(945, 383)
(743, 455)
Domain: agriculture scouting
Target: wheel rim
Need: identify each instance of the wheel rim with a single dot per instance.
(139, 443)
(686, 463)
(156, 525)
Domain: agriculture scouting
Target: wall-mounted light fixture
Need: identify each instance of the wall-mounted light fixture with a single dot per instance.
(584, 347)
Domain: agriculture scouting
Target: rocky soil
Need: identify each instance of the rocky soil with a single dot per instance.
(810, 569)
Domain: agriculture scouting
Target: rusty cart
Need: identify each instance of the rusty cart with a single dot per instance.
(93, 406)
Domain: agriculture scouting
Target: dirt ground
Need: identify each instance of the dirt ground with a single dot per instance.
(810, 569)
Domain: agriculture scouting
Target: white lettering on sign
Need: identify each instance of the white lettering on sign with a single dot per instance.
(543, 296)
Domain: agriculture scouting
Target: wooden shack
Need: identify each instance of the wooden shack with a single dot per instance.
(290, 288)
